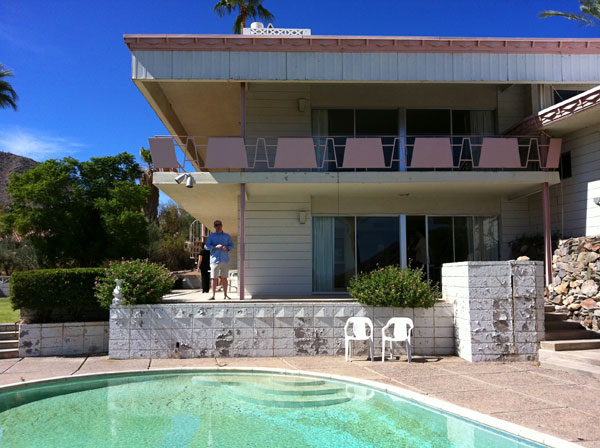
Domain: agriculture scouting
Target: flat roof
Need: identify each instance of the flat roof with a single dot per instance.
(361, 44)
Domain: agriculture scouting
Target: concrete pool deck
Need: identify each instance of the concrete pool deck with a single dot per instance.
(550, 401)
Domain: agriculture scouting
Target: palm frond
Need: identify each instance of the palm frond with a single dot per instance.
(264, 13)
(590, 13)
(237, 25)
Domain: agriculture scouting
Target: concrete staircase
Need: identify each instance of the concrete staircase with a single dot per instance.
(9, 341)
(569, 346)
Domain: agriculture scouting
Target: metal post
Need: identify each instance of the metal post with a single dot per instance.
(547, 232)
(242, 240)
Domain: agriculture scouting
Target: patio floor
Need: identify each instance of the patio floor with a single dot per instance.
(550, 401)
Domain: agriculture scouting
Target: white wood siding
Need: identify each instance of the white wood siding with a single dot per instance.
(278, 246)
(514, 222)
(514, 104)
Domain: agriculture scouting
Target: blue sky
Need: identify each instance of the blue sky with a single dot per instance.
(72, 69)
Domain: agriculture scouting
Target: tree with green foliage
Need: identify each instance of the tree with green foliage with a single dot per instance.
(168, 237)
(80, 213)
(589, 15)
(246, 9)
(8, 96)
(151, 207)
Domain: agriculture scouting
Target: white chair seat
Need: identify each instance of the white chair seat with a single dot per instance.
(403, 327)
(233, 280)
(362, 330)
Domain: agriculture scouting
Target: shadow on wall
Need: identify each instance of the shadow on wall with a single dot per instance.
(532, 246)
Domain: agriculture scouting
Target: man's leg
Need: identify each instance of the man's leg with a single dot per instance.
(224, 280)
(214, 287)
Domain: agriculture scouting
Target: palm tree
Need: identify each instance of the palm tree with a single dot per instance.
(147, 176)
(590, 13)
(248, 9)
(8, 96)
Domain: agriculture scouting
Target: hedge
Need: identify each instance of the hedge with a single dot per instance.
(55, 295)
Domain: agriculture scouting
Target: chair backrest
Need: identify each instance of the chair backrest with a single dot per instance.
(359, 327)
(500, 153)
(363, 153)
(295, 153)
(402, 327)
(432, 152)
(162, 150)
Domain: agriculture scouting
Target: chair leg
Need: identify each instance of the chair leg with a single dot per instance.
(372, 347)
(391, 350)
(383, 350)
(408, 350)
(346, 349)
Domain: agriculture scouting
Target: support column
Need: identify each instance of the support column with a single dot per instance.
(547, 233)
(242, 241)
(242, 238)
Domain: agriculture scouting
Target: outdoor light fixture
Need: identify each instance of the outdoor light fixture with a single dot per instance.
(597, 201)
(189, 180)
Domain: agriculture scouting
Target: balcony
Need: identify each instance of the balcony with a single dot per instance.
(343, 153)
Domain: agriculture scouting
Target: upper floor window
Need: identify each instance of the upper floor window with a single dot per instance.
(450, 122)
(355, 122)
(564, 94)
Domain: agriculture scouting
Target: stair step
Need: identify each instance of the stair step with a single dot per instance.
(9, 327)
(9, 353)
(570, 334)
(568, 365)
(297, 381)
(9, 343)
(590, 357)
(250, 394)
(549, 308)
(282, 389)
(552, 317)
(563, 325)
(575, 344)
(4, 335)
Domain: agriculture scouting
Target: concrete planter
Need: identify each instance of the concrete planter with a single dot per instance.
(69, 338)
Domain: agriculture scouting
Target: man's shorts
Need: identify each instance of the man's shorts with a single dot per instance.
(219, 270)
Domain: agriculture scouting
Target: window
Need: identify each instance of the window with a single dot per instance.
(563, 95)
(355, 122)
(564, 166)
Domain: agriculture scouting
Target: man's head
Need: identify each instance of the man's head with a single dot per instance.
(218, 226)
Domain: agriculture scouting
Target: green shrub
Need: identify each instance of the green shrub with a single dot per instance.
(143, 282)
(392, 286)
(52, 295)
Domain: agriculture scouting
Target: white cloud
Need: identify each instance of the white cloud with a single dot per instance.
(35, 145)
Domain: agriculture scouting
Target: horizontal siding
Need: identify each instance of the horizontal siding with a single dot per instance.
(348, 66)
(278, 247)
(514, 104)
(514, 222)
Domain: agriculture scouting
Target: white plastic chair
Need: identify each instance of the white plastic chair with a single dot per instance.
(359, 333)
(403, 327)
(233, 280)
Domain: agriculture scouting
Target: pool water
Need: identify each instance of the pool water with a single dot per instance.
(225, 409)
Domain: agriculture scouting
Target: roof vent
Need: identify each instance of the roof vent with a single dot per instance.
(259, 29)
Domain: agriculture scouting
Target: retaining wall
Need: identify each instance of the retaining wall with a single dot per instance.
(276, 329)
(69, 338)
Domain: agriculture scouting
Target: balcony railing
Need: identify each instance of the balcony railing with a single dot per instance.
(342, 153)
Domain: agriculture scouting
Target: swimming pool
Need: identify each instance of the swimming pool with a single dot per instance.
(228, 409)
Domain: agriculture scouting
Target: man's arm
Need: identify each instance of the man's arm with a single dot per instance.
(229, 244)
(208, 244)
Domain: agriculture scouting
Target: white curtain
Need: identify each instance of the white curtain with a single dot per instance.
(482, 122)
(486, 236)
(323, 241)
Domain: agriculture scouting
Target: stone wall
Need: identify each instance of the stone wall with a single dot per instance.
(498, 308)
(254, 329)
(69, 338)
(575, 284)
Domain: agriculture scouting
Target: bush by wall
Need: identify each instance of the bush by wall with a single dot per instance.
(143, 282)
(56, 295)
(393, 286)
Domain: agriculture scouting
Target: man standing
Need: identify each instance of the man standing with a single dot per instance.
(219, 244)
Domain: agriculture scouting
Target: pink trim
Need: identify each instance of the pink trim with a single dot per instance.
(432, 153)
(563, 110)
(553, 156)
(228, 152)
(500, 153)
(162, 150)
(363, 153)
(358, 44)
(242, 241)
(295, 153)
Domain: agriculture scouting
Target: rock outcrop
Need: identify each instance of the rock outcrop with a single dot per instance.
(576, 280)
(10, 164)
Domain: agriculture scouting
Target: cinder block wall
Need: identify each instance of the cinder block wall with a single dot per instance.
(69, 338)
(279, 329)
(498, 308)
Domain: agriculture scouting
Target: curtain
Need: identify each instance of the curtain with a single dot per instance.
(482, 122)
(486, 238)
(323, 241)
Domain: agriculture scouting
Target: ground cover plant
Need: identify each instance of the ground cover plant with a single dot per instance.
(394, 286)
(7, 314)
(143, 282)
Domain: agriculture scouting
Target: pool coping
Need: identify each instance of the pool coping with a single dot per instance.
(435, 403)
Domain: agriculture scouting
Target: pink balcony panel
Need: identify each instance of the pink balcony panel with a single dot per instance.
(553, 157)
(500, 153)
(295, 153)
(363, 153)
(162, 150)
(434, 152)
(226, 152)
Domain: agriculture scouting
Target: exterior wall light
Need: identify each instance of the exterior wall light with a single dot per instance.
(189, 180)
(597, 201)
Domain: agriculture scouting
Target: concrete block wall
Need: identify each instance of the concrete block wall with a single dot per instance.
(498, 308)
(277, 329)
(70, 338)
